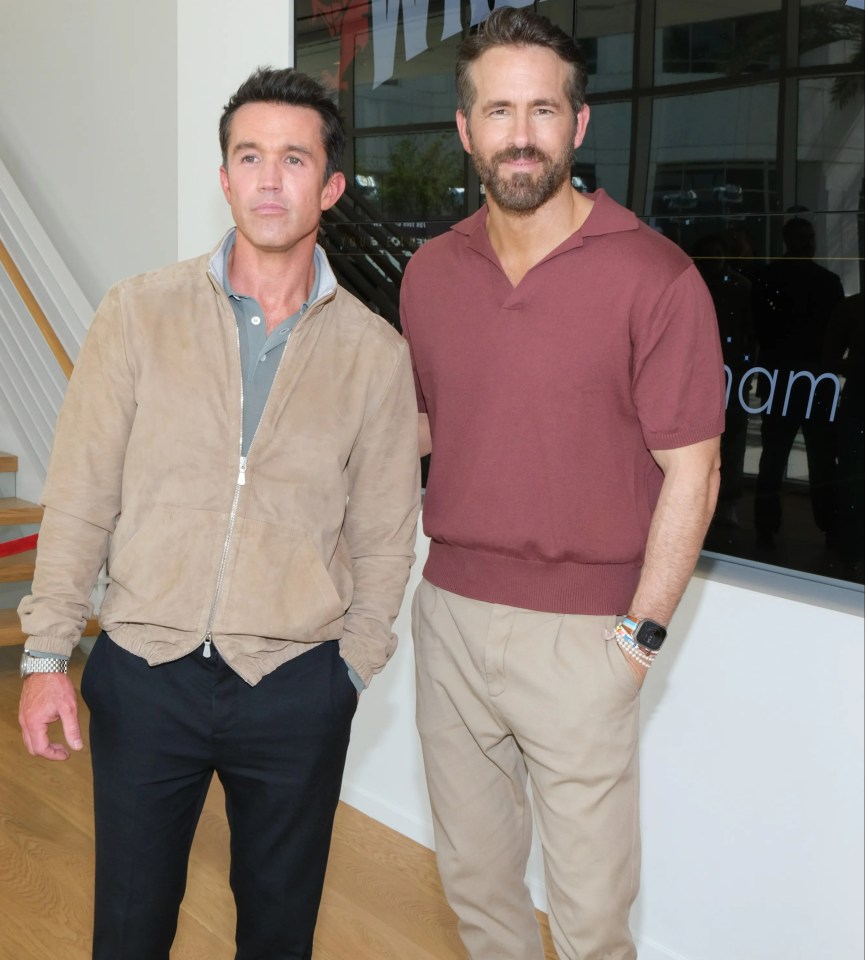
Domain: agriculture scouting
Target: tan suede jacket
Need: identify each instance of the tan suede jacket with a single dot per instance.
(309, 538)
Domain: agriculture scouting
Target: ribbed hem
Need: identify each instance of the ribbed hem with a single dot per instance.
(589, 588)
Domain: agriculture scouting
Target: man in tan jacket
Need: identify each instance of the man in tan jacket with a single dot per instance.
(238, 442)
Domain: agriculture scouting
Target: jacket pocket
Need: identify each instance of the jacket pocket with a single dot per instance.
(164, 573)
(275, 585)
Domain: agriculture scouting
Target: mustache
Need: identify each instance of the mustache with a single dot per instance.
(529, 152)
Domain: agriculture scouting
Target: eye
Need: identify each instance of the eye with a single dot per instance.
(293, 161)
(248, 158)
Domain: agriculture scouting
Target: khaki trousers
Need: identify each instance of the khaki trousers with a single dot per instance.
(505, 694)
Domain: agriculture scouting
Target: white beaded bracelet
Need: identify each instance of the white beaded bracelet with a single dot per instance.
(630, 647)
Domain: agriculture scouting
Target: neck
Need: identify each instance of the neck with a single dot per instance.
(279, 280)
(523, 240)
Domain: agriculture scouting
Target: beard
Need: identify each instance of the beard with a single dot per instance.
(523, 193)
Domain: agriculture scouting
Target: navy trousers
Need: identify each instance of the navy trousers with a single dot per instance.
(157, 735)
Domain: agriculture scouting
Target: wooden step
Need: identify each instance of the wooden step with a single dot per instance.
(8, 462)
(18, 567)
(14, 511)
(10, 628)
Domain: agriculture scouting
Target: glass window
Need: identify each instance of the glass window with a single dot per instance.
(412, 176)
(321, 51)
(830, 34)
(692, 42)
(603, 159)
(396, 62)
(713, 156)
(829, 170)
(792, 484)
(606, 34)
(396, 85)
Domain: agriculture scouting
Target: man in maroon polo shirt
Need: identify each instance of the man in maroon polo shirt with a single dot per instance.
(569, 381)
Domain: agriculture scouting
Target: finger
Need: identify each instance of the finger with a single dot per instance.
(54, 751)
(36, 738)
(71, 728)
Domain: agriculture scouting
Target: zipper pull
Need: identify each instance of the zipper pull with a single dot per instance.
(241, 474)
(206, 652)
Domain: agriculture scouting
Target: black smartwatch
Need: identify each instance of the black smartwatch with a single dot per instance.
(646, 633)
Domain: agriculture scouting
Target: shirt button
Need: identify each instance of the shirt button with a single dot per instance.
(255, 321)
(263, 359)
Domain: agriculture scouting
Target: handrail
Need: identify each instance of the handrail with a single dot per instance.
(44, 317)
(26, 294)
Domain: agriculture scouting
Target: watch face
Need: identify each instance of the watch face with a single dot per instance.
(650, 635)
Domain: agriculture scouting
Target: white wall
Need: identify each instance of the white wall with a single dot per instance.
(88, 129)
(220, 42)
(752, 774)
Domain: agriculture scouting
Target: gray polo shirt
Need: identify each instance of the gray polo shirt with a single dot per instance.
(259, 353)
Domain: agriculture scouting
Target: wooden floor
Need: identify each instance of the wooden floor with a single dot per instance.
(382, 898)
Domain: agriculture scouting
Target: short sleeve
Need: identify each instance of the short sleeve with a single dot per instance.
(678, 368)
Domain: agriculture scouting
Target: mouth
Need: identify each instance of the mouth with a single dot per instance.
(269, 209)
(521, 159)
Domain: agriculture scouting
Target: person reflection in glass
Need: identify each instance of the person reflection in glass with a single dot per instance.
(793, 300)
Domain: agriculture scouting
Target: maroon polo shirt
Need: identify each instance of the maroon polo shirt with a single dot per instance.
(545, 400)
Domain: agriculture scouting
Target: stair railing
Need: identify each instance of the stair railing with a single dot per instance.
(43, 319)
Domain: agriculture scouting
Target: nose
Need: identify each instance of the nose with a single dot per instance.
(521, 129)
(269, 174)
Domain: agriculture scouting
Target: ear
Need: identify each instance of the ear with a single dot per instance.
(463, 127)
(582, 123)
(333, 190)
(226, 187)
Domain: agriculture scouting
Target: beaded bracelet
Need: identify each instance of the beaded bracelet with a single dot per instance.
(630, 647)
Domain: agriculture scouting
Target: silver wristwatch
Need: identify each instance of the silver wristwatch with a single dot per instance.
(31, 664)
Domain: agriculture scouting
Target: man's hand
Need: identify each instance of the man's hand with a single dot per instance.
(46, 698)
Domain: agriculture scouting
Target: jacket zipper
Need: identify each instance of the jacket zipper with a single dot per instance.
(241, 481)
(232, 518)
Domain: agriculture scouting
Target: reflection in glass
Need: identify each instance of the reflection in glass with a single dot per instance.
(793, 300)
(413, 177)
(692, 42)
(829, 170)
(792, 481)
(730, 289)
(830, 34)
(416, 89)
(606, 34)
(712, 154)
(326, 40)
(603, 159)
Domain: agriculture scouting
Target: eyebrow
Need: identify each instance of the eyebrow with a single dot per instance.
(540, 102)
(287, 148)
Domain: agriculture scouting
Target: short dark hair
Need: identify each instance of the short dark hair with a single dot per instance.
(519, 27)
(295, 89)
(799, 237)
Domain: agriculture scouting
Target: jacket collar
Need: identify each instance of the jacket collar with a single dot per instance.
(326, 278)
